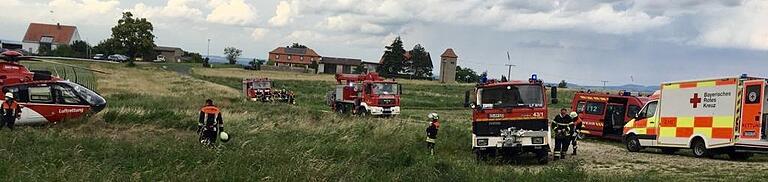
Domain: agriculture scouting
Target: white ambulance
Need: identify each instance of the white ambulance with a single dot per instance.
(710, 116)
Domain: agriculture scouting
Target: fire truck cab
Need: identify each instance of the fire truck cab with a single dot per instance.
(604, 115)
(709, 116)
(509, 118)
(365, 94)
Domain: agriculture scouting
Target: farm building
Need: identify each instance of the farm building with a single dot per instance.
(48, 36)
(332, 65)
(293, 57)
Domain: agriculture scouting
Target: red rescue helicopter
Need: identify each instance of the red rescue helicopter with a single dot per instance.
(45, 98)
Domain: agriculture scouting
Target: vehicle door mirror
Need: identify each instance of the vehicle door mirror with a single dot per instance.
(639, 115)
(466, 99)
(399, 89)
(553, 94)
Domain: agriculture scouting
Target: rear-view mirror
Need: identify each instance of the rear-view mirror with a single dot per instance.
(466, 99)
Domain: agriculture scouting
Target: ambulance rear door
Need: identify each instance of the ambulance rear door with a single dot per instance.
(752, 110)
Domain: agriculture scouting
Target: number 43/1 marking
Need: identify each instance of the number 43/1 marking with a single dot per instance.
(538, 114)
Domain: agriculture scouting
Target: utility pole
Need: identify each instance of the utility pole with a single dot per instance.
(604, 84)
(509, 71)
(208, 54)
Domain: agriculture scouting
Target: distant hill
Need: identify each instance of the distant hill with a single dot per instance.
(627, 87)
(220, 59)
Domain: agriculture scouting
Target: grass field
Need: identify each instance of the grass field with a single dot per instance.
(147, 134)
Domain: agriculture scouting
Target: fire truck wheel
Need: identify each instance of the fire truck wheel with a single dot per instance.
(340, 108)
(669, 150)
(739, 156)
(542, 156)
(482, 155)
(633, 144)
(362, 112)
(700, 149)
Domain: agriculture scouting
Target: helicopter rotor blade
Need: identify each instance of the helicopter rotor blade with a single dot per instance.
(54, 62)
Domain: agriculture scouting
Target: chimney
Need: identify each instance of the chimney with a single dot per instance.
(58, 25)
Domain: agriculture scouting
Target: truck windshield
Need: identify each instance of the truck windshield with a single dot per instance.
(385, 88)
(261, 85)
(512, 96)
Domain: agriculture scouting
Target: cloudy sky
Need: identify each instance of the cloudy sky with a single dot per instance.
(584, 41)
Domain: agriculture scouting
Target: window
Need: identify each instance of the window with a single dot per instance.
(66, 95)
(289, 57)
(40, 94)
(632, 110)
(649, 110)
(580, 106)
(277, 56)
(301, 58)
(596, 108)
(513, 96)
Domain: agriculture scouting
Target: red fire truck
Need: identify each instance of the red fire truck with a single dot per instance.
(260, 89)
(365, 94)
(509, 118)
(604, 115)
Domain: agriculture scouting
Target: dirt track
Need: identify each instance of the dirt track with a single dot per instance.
(612, 158)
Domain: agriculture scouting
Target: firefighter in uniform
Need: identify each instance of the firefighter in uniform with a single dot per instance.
(575, 131)
(563, 125)
(432, 129)
(10, 112)
(210, 122)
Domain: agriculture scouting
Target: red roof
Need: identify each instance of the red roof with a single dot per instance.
(449, 53)
(61, 34)
(295, 51)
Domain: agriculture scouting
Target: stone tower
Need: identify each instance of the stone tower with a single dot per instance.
(448, 66)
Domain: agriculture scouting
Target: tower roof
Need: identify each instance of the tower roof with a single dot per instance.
(449, 53)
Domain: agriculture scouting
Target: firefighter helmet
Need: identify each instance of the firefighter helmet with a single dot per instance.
(433, 116)
(224, 136)
(574, 115)
(9, 95)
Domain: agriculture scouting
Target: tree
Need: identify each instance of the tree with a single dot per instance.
(62, 51)
(562, 84)
(466, 75)
(360, 70)
(296, 45)
(232, 54)
(421, 63)
(255, 64)
(108, 47)
(192, 57)
(135, 36)
(80, 49)
(393, 57)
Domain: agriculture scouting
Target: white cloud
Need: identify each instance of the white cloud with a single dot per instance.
(232, 12)
(283, 14)
(259, 33)
(603, 19)
(173, 9)
(742, 27)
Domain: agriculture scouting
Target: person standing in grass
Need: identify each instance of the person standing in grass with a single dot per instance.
(432, 129)
(563, 124)
(575, 131)
(210, 122)
(10, 112)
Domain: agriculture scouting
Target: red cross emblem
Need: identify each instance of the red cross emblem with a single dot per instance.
(695, 100)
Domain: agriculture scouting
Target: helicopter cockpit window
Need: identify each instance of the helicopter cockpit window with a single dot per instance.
(66, 95)
(40, 94)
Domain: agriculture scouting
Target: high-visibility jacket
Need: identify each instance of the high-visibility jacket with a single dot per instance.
(434, 126)
(210, 116)
(11, 109)
(563, 126)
